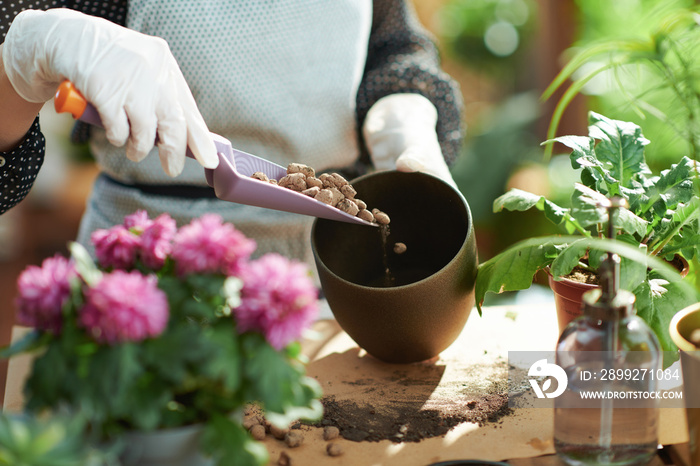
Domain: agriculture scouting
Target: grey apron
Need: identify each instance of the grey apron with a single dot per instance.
(278, 78)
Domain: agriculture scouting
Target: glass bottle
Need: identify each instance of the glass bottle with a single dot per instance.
(610, 351)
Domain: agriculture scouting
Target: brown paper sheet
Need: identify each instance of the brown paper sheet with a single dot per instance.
(472, 364)
(475, 364)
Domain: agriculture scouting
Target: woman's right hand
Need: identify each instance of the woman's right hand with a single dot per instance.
(132, 79)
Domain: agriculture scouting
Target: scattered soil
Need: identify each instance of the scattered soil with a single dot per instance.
(408, 403)
(406, 422)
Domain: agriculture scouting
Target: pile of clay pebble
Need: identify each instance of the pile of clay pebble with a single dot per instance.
(259, 428)
(329, 188)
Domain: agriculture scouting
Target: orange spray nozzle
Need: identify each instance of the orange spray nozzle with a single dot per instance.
(69, 99)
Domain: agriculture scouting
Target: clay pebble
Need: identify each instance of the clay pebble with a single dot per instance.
(284, 459)
(330, 433)
(330, 188)
(348, 206)
(301, 168)
(260, 176)
(312, 191)
(399, 248)
(381, 217)
(258, 432)
(366, 215)
(294, 181)
(334, 449)
(250, 421)
(293, 439)
(324, 195)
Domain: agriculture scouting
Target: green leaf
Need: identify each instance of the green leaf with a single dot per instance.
(587, 208)
(112, 370)
(278, 383)
(568, 258)
(686, 245)
(514, 268)
(176, 292)
(31, 341)
(672, 187)
(583, 156)
(519, 200)
(583, 150)
(56, 441)
(632, 272)
(675, 184)
(197, 309)
(161, 357)
(208, 285)
(148, 401)
(657, 302)
(684, 216)
(226, 364)
(620, 147)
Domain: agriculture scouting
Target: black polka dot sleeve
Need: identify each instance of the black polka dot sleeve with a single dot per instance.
(20, 166)
(402, 57)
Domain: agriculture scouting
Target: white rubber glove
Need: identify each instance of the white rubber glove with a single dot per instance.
(131, 78)
(400, 133)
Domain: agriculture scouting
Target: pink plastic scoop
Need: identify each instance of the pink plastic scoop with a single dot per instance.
(231, 180)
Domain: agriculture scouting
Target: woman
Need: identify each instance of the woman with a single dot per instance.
(339, 85)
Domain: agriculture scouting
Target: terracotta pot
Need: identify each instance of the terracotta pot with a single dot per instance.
(567, 298)
(568, 293)
(424, 310)
(681, 327)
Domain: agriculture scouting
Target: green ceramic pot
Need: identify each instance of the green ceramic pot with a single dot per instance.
(166, 447)
(681, 327)
(424, 309)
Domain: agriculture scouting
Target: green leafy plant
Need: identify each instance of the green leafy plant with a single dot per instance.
(57, 441)
(171, 327)
(651, 76)
(663, 220)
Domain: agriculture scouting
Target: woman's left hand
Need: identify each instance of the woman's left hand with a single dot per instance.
(400, 134)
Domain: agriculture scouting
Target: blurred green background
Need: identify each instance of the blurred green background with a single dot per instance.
(645, 70)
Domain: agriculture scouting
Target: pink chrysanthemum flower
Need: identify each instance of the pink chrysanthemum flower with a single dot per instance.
(124, 306)
(207, 245)
(278, 299)
(42, 293)
(156, 241)
(138, 222)
(115, 247)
